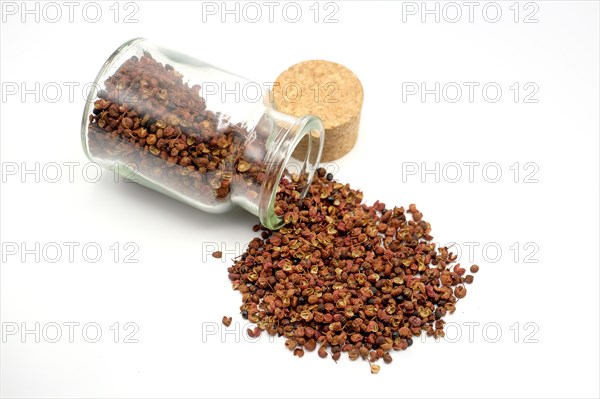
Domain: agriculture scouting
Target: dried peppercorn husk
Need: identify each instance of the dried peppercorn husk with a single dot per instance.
(350, 277)
(148, 116)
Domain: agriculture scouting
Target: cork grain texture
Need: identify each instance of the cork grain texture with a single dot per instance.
(327, 90)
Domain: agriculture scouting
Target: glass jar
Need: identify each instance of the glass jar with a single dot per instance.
(197, 133)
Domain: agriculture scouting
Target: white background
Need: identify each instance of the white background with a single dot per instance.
(176, 294)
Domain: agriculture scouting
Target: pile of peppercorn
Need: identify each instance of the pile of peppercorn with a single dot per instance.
(342, 276)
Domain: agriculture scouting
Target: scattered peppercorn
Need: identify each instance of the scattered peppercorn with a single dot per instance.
(298, 352)
(217, 254)
(346, 276)
(322, 352)
(474, 269)
(460, 291)
(254, 333)
(227, 321)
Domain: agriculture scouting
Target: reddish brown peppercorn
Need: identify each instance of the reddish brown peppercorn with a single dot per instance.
(322, 352)
(460, 291)
(321, 281)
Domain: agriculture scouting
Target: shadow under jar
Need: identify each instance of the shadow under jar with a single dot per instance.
(204, 136)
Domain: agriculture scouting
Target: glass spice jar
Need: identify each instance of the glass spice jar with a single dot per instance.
(192, 131)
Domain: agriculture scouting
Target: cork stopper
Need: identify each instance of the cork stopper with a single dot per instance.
(327, 90)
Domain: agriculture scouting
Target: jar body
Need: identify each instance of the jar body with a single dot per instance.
(192, 131)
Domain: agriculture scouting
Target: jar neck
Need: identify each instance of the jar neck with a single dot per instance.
(293, 148)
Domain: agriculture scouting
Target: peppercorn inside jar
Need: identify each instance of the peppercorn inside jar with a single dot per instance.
(169, 122)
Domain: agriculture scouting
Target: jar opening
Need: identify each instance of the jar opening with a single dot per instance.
(294, 156)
